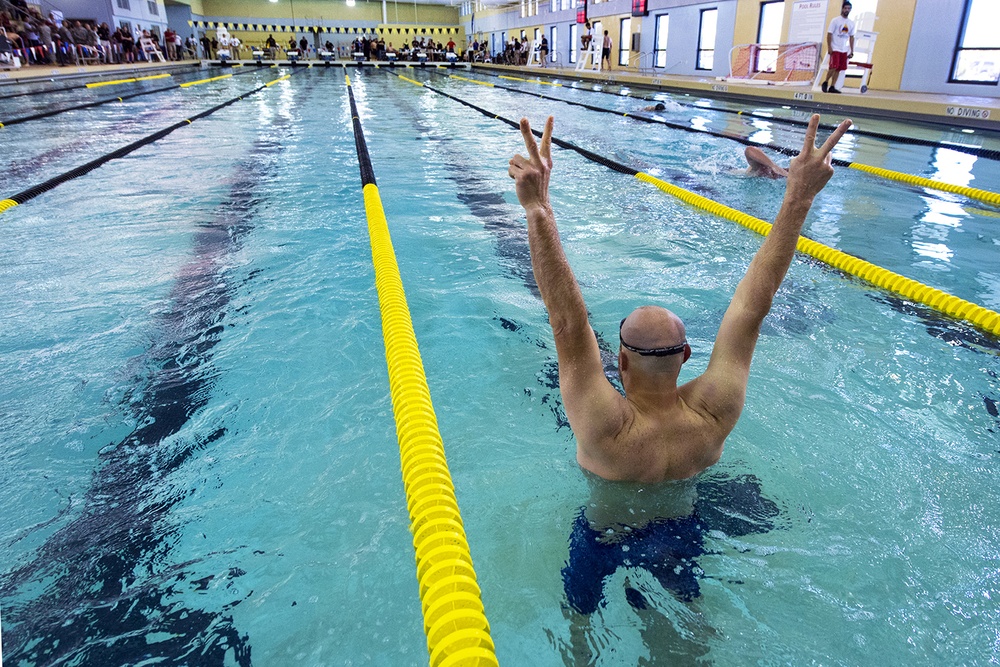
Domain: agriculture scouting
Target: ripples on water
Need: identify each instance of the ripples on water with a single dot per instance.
(197, 400)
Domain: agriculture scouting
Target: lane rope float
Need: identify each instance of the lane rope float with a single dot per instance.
(120, 98)
(201, 81)
(34, 191)
(991, 198)
(451, 601)
(942, 302)
(48, 91)
(116, 82)
(979, 151)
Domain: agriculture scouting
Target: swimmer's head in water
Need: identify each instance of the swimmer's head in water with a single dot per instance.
(654, 337)
(660, 106)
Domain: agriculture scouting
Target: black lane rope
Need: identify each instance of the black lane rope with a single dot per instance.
(54, 112)
(950, 305)
(34, 191)
(594, 157)
(86, 85)
(978, 151)
(87, 105)
(659, 121)
(987, 196)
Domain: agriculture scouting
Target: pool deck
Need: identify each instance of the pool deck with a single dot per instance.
(958, 111)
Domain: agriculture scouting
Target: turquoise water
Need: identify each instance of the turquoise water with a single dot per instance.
(199, 457)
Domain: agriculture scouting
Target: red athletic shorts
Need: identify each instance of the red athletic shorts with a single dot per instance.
(838, 60)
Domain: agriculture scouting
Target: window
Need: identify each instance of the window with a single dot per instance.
(624, 41)
(553, 41)
(524, 35)
(574, 39)
(538, 34)
(123, 4)
(553, 5)
(565, 4)
(706, 39)
(977, 54)
(772, 15)
(660, 40)
(152, 7)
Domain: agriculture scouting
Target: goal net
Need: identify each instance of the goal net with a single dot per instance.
(775, 63)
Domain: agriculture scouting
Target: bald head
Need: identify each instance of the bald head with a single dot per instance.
(652, 327)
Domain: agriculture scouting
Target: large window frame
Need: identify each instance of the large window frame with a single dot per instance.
(660, 36)
(553, 43)
(765, 58)
(624, 41)
(574, 39)
(707, 54)
(961, 49)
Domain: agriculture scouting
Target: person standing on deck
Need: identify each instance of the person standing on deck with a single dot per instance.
(840, 45)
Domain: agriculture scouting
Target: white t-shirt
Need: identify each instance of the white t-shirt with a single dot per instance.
(841, 30)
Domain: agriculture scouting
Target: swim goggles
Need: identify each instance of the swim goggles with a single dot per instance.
(653, 352)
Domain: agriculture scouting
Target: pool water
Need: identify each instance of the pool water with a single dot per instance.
(199, 461)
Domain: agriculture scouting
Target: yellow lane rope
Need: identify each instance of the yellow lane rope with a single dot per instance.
(983, 318)
(214, 78)
(454, 618)
(118, 81)
(972, 193)
(451, 601)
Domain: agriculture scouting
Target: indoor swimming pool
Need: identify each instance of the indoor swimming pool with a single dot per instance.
(199, 460)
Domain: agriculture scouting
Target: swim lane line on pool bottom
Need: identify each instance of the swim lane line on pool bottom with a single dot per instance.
(992, 198)
(451, 601)
(122, 98)
(32, 192)
(953, 306)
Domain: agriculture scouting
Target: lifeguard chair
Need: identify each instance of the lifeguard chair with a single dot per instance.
(151, 50)
(535, 54)
(593, 53)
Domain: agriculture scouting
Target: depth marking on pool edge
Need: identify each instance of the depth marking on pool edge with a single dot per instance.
(940, 301)
(451, 601)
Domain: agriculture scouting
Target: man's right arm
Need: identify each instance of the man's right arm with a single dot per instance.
(721, 390)
(592, 404)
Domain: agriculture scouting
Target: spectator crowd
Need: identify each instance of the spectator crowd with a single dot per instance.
(38, 40)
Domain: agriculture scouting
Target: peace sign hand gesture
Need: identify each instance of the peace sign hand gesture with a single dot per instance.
(811, 169)
(531, 174)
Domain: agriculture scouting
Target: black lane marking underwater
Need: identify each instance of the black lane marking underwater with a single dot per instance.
(41, 188)
(979, 151)
(40, 161)
(732, 505)
(194, 74)
(510, 232)
(86, 105)
(107, 582)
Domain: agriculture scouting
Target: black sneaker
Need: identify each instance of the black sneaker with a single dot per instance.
(824, 86)
(833, 90)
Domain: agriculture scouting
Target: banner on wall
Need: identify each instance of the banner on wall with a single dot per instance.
(345, 30)
(808, 22)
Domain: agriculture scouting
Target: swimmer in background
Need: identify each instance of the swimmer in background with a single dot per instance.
(759, 164)
(659, 106)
